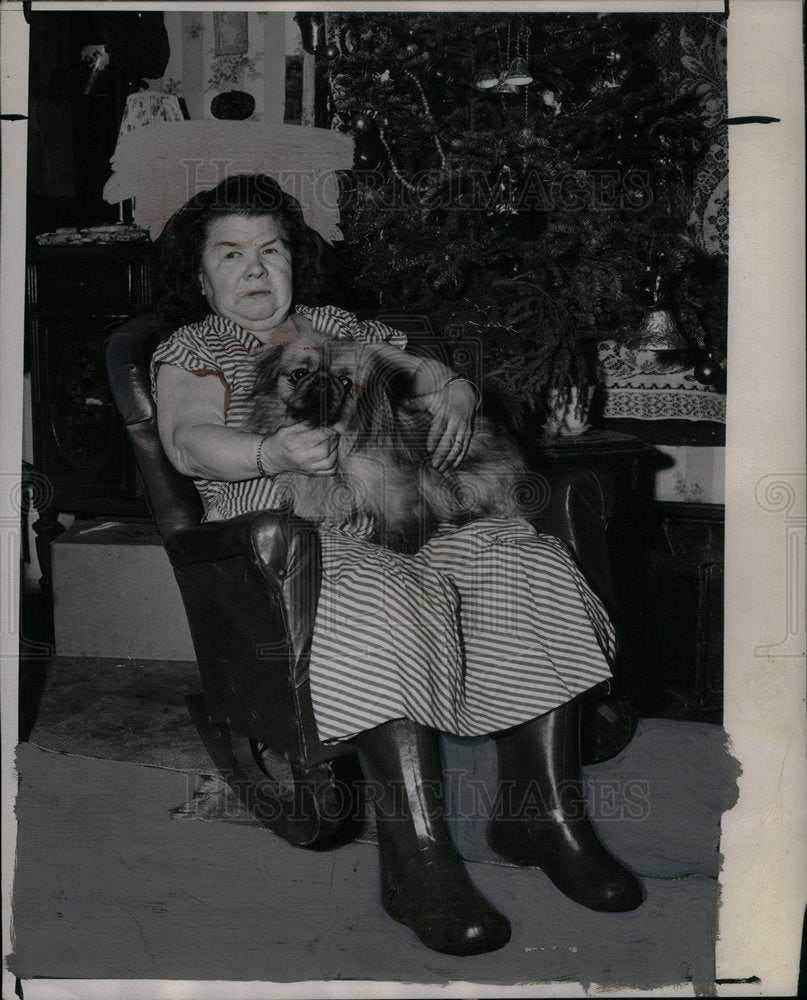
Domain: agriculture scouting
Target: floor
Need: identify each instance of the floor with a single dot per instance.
(110, 885)
(110, 764)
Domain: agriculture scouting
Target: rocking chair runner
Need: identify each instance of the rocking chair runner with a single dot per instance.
(250, 588)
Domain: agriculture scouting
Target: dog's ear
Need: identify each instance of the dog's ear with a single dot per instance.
(267, 371)
(381, 367)
(383, 385)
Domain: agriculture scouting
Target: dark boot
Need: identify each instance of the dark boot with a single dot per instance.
(540, 819)
(424, 883)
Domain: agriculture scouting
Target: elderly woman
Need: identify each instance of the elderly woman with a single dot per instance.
(489, 628)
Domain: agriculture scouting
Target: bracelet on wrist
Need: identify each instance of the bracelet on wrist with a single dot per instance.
(259, 458)
(473, 385)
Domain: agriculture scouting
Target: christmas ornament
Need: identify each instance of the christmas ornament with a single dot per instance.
(413, 48)
(503, 87)
(527, 139)
(331, 52)
(707, 370)
(658, 332)
(609, 70)
(552, 100)
(487, 79)
(369, 153)
(361, 123)
(446, 279)
(567, 411)
(619, 57)
(518, 74)
(368, 160)
(350, 41)
(439, 74)
(312, 31)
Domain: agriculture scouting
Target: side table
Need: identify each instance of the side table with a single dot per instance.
(615, 463)
(596, 473)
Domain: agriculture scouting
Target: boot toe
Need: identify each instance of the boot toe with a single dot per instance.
(619, 895)
(607, 888)
(574, 859)
(463, 935)
(437, 901)
(477, 936)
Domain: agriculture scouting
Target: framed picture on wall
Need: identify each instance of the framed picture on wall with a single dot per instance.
(231, 33)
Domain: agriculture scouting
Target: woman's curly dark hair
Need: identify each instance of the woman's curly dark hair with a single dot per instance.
(185, 235)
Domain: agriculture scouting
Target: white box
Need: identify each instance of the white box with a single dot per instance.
(114, 594)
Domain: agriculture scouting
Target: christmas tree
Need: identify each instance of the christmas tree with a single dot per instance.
(523, 179)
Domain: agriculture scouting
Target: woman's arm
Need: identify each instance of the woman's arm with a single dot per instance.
(190, 419)
(427, 375)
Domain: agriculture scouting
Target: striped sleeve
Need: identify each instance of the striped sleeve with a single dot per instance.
(185, 350)
(343, 325)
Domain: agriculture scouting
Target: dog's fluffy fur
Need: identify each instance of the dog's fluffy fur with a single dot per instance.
(384, 469)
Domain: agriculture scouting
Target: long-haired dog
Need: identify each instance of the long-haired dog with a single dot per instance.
(384, 469)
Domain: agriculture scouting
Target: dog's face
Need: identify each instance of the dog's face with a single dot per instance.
(341, 383)
(309, 381)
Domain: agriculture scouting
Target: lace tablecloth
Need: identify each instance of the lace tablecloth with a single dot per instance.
(643, 385)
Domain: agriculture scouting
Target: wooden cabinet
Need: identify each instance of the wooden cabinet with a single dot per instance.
(76, 296)
(668, 564)
(685, 610)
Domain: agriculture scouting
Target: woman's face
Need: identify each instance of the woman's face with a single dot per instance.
(246, 271)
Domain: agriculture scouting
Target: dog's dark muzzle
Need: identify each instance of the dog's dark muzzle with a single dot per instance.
(319, 399)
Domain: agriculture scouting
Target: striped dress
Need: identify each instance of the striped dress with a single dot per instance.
(486, 626)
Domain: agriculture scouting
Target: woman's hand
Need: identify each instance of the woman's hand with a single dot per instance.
(452, 409)
(432, 387)
(300, 448)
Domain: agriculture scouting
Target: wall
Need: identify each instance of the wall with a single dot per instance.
(194, 72)
(697, 475)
